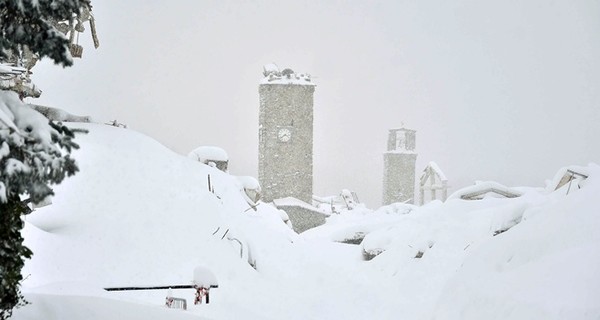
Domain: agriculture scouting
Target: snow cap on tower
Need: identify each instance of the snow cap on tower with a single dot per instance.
(272, 75)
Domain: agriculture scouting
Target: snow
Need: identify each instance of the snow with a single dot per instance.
(59, 307)
(204, 277)
(270, 68)
(437, 170)
(3, 197)
(249, 182)
(28, 123)
(8, 102)
(209, 153)
(293, 202)
(482, 187)
(250, 189)
(125, 222)
(272, 75)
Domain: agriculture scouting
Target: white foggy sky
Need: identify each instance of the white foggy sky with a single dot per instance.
(497, 90)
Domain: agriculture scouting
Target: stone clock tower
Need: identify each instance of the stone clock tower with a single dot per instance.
(285, 152)
(399, 167)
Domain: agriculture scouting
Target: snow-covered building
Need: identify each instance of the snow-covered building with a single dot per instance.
(399, 167)
(434, 180)
(285, 157)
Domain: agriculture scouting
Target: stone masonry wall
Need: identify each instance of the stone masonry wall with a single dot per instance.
(286, 168)
(399, 177)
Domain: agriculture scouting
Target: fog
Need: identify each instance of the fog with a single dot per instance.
(497, 90)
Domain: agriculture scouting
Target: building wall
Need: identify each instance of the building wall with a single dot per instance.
(303, 218)
(399, 177)
(286, 168)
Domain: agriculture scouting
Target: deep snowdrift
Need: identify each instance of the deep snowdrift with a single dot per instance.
(139, 215)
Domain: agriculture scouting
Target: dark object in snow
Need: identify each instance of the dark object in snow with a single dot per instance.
(370, 254)
(287, 72)
(117, 124)
(202, 292)
(204, 279)
(419, 255)
(178, 286)
(497, 232)
(356, 239)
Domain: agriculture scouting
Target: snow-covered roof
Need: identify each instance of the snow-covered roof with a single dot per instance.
(432, 167)
(480, 189)
(292, 202)
(205, 153)
(437, 170)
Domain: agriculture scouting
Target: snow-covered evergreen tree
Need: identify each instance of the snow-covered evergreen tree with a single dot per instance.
(34, 152)
(31, 23)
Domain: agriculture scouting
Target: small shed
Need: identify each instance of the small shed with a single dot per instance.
(211, 156)
(434, 180)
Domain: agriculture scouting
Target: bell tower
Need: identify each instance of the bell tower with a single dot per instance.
(399, 167)
(285, 152)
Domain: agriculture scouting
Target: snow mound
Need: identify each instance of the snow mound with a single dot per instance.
(138, 214)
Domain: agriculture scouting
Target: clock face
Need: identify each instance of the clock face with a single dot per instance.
(284, 134)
